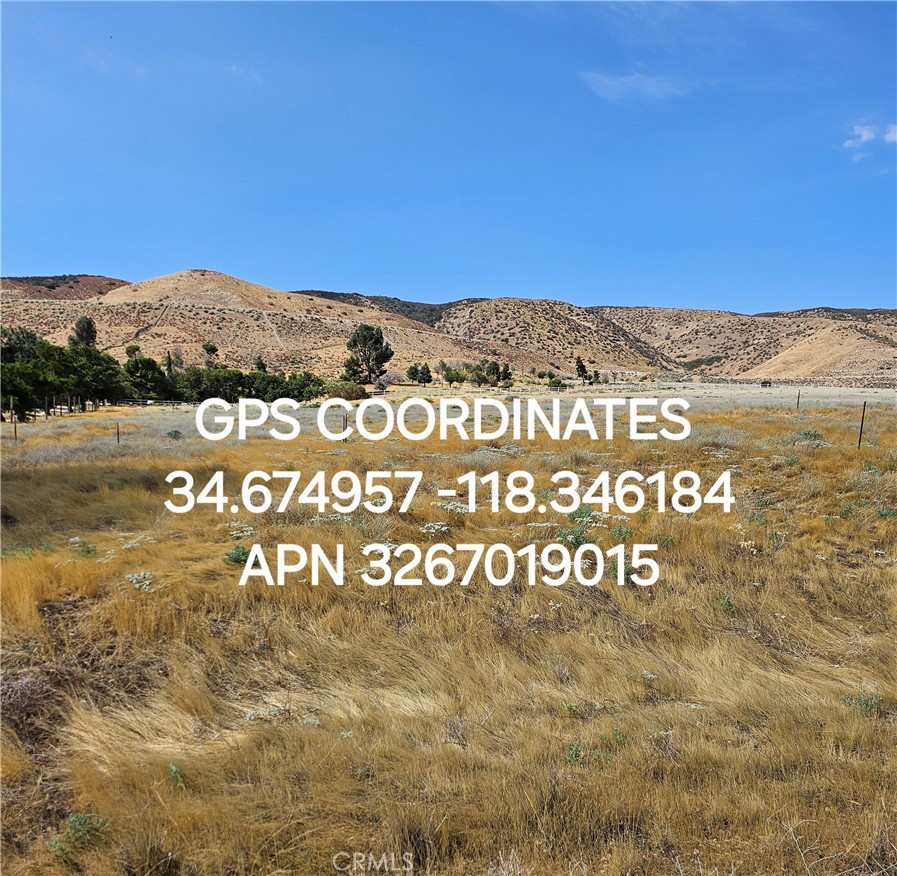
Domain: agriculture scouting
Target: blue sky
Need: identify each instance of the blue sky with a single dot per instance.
(734, 156)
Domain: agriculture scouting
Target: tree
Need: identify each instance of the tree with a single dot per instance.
(371, 351)
(85, 333)
(92, 375)
(353, 371)
(581, 371)
(211, 352)
(413, 372)
(505, 375)
(454, 375)
(423, 375)
(303, 385)
(189, 384)
(18, 343)
(132, 350)
(478, 376)
(260, 364)
(147, 378)
(226, 383)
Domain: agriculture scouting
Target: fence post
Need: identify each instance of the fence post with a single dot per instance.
(798, 401)
(862, 420)
(117, 434)
(15, 432)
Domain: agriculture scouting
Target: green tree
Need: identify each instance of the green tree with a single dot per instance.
(454, 375)
(226, 383)
(189, 384)
(85, 333)
(581, 371)
(260, 364)
(93, 375)
(413, 372)
(26, 385)
(477, 376)
(371, 350)
(424, 374)
(303, 386)
(132, 350)
(18, 344)
(211, 351)
(147, 378)
(353, 371)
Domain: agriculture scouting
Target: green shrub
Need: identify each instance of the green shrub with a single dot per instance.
(725, 603)
(573, 753)
(236, 556)
(175, 776)
(868, 703)
(82, 830)
(345, 390)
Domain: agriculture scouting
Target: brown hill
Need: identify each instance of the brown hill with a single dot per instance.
(416, 310)
(290, 330)
(309, 330)
(63, 287)
(559, 332)
(822, 343)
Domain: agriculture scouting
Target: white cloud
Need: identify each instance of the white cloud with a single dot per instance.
(858, 156)
(861, 134)
(631, 86)
(890, 134)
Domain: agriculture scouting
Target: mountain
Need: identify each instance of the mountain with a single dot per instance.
(416, 310)
(821, 343)
(64, 287)
(309, 329)
(559, 331)
(290, 330)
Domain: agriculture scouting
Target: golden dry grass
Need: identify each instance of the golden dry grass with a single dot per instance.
(260, 730)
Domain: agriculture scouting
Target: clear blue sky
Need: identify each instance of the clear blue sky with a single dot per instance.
(738, 156)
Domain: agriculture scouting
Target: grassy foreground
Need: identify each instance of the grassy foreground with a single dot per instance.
(738, 717)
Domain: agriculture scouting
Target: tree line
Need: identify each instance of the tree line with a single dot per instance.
(370, 353)
(36, 374)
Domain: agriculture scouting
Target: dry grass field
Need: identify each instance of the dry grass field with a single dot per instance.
(738, 717)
